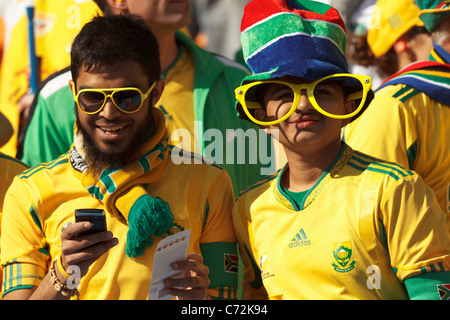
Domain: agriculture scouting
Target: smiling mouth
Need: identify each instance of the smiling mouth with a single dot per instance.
(112, 130)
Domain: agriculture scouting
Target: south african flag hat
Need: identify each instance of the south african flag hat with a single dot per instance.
(301, 38)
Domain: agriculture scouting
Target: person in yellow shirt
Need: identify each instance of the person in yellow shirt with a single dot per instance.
(120, 162)
(397, 37)
(55, 24)
(408, 121)
(9, 168)
(333, 223)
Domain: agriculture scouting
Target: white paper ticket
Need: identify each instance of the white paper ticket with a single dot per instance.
(170, 249)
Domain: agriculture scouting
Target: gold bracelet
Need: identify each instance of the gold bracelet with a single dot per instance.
(59, 286)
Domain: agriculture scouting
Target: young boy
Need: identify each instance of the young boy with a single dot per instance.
(333, 223)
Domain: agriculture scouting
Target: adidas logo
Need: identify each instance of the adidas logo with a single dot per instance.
(300, 240)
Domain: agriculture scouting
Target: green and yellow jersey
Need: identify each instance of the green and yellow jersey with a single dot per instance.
(9, 168)
(44, 198)
(408, 122)
(360, 232)
(406, 126)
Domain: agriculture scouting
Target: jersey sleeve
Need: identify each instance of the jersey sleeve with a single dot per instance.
(386, 130)
(24, 255)
(416, 231)
(252, 285)
(218, 241)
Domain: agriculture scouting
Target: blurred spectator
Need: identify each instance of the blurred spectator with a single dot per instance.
(9, 168)
(408, 121)
(215, 25)
(387, 41)
(359, 55)
(397, 37)
(56, 22)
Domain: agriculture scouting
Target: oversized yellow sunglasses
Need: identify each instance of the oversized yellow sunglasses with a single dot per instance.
(128, 99)
(318, 93)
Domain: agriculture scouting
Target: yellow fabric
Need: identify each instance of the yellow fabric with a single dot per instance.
(384, 214)
(406, 126)
(9, 168)
(56, 23)
(44, 198)
(177, 103)
(390, 20)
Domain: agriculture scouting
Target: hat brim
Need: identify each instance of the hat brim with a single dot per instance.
(432, 17)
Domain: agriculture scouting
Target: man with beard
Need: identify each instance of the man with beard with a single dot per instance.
(119, 163)
(198, 100)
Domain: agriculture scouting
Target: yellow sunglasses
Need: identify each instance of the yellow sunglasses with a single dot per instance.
(318, 93)
(128, 99)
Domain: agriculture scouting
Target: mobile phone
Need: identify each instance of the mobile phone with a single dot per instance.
(95, 216)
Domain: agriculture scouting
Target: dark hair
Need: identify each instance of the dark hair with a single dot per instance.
(102, 5)
(108, 40)
(359, 52)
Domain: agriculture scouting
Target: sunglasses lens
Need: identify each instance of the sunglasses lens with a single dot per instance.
(90, 101)
(128, 100)
(281, 96)
(328, 91)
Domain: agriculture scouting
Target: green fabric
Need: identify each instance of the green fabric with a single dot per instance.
(297, 197)
(222, 271)
(56, 114)
(425, 286)
(148, 216)
(438, 12)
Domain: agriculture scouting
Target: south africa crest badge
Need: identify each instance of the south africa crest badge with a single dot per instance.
(342, 252)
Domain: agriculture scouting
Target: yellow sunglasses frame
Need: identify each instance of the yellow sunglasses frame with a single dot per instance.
(362, 94)
(114, 90)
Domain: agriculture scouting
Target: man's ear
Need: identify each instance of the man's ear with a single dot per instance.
(157, 91)
(72, 85)
(261, 115)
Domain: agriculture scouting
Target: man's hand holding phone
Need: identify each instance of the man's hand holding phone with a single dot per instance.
(84, 241)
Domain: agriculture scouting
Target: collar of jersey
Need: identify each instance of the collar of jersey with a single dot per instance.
(285, 200)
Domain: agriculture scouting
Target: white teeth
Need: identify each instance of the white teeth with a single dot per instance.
(111, 130)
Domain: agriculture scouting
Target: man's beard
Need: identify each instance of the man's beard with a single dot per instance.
(98, 160)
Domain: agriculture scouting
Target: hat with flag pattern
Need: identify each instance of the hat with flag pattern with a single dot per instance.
(301, 38)
(433, 12)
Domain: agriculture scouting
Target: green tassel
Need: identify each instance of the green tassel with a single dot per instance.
(149, 217)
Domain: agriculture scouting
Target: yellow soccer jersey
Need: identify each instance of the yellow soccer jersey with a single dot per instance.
(43, 199)
(363, 228)
(404, 125)
(9, 168)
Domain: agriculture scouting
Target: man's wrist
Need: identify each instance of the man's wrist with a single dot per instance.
(58, 278)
